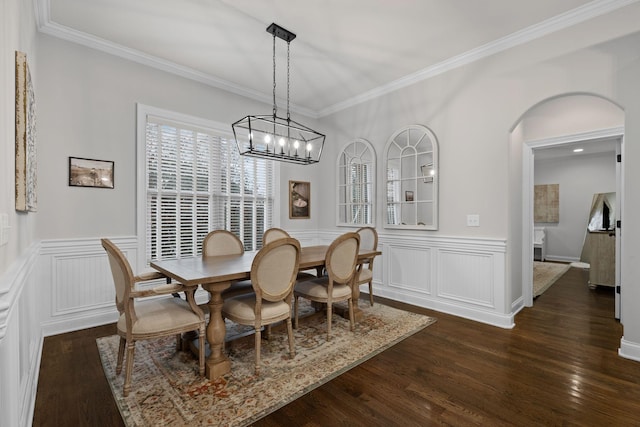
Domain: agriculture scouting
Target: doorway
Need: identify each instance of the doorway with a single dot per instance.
(609, 140)
(556, 122)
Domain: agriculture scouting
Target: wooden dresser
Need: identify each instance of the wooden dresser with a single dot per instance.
(602, 258)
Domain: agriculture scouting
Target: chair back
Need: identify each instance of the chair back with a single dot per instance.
(273, 234)
(342, 257)
(121, 271)
(368, 238)
(274, 269)
(222, 242)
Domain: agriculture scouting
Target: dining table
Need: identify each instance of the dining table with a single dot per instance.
(217, 273)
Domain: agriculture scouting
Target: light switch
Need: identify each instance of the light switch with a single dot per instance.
(473, 220)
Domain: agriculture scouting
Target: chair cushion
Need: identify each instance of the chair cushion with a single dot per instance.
(365, 275)
(242, 309)
(160, 315)
(318, 288)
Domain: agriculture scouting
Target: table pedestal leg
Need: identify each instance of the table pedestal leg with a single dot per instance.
(217, 364)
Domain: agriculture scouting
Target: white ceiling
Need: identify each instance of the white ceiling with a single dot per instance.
(345, 51)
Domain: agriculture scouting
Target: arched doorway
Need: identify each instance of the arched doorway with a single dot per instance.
(557, 121)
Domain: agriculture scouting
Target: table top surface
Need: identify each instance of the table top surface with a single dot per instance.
(198, 270)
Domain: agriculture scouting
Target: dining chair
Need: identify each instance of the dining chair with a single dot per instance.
(223, 242)
(275, 233)
(273, 275)
(272, 234)
(340, 263)
(368, 241)
(142, 319)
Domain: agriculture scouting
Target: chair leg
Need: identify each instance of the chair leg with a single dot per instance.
(351, 315)
(258, 339)
(329, 315)
(267, 332)
(371, 293)
(292, 348)
(201, 350)
(128, 367)
(120, 355)
(295, 311)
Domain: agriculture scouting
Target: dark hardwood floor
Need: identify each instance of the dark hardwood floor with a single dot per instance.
(558, 367)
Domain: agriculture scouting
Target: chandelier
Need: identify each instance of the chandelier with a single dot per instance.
(274, 137)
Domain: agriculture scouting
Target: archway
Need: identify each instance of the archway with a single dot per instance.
(555, 121)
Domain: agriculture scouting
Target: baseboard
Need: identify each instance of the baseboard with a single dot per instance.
(629, 350)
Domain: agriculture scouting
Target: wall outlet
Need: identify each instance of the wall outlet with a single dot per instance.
(4, 229)
(473, 220)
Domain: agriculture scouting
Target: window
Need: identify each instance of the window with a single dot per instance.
(194, 181)
(356, 172)
(412, 179)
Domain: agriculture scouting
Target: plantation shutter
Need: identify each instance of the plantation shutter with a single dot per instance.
(197, 182)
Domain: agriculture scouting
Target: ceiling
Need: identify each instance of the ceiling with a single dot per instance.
(346, 51)
(589, 147)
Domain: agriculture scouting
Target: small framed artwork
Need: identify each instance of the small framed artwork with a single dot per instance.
(408, 196)
(90, 173)
(299, 200)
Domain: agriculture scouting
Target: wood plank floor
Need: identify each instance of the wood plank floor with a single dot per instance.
(558, 367)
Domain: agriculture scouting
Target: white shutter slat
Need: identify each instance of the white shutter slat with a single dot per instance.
(197, 182)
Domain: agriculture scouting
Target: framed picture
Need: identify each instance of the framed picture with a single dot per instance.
(25, 126)
(90, 173)
(299, 199)
(408, 196)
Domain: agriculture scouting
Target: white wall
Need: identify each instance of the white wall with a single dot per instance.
(579, 177)
(20, 331)
(628, 92)
(99, 93)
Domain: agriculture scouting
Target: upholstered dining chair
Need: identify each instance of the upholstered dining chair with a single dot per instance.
(368, 241)
(272, 234)
(273, 275)
(340, 262)
(142, 319)
(275, 233)
(223, 242)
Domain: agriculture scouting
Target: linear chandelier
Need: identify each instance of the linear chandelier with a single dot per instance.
(274, 137)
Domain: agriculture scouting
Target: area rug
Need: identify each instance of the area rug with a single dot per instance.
(167, 390)
(545, 274)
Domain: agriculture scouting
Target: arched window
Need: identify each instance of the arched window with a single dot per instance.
(356, 184)
(412, 179)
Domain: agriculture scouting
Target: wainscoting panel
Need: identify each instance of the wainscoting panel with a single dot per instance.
(409, 268)
(466, 277)
(20, 339)
(78, 274)
(460, 276)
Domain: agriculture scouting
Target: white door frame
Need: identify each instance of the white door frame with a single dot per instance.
(527, 200)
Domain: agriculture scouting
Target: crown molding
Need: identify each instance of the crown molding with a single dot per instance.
(557, 23)
(565, 20)
(46, 26)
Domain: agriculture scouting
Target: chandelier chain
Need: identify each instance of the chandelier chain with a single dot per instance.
(288, 72)
(275, 107)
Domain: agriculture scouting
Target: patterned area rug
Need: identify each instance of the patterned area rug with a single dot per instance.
(167, 390)
(545, 274)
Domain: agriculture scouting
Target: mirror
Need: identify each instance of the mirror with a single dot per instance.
(603, 214)
(356, 184)
(412, 179)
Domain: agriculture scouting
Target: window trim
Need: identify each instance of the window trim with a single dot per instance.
(223, 129)
(372, 202)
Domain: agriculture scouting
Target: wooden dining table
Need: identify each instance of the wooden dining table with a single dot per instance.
(217, 273)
